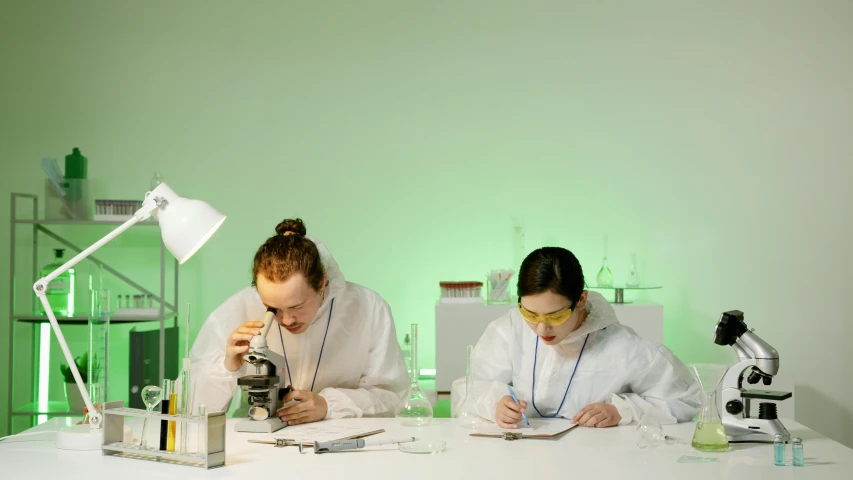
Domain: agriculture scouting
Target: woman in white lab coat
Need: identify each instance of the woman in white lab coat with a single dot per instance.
(338, 338)
(566, 355)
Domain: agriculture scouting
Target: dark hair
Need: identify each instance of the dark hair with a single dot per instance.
(552, 269)
(288, 252)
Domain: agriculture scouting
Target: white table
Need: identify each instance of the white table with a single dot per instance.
(582, 453)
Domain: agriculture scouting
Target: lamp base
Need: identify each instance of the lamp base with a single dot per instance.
(79, 437)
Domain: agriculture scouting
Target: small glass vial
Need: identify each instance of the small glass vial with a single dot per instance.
(797, 452)
(778, 451)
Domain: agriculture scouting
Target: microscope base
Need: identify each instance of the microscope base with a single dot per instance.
(768, 429)
(259, 426)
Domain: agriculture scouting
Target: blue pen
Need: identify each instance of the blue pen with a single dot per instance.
(515, 399)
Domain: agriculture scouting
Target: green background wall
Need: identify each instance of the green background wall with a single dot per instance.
(713, 140)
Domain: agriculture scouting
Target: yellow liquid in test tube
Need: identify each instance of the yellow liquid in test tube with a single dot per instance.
(173, 405)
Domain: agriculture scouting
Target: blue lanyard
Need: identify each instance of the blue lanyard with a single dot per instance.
(286, 364)
(533, 395)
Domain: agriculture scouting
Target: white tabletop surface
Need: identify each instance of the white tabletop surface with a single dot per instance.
(582, 453)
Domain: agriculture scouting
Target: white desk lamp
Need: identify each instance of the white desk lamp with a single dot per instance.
(184, 225)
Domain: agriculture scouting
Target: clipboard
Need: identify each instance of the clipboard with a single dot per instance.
(510, 436)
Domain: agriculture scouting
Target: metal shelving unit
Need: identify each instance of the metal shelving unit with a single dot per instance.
(167, 310)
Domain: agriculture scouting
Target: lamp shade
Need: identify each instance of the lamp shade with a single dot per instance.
(185, 224)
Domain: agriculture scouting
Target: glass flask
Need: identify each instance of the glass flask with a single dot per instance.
(605, 276)
(650, 434)
(633, 279)
(710, 435)
(151, 396)
(415, 411)
(407, 354)
(156, 180)
(467, 416)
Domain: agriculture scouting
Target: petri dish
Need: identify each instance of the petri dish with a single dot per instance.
(424, 447)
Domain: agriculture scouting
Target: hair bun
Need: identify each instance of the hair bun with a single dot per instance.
(291, 226)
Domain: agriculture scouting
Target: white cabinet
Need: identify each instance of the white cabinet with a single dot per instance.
(458, 325)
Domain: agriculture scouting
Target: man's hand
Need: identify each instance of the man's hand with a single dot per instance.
(238, 344)
(508, 413)
(311, 408)
(598, 415)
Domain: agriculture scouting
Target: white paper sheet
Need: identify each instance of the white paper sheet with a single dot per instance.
(320, 431)
(538, 426)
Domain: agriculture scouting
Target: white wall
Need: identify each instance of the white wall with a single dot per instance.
(713, 139)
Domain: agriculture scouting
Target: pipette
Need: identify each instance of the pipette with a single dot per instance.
(340, 445)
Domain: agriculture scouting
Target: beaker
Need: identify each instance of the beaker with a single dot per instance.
(467, 416)
(99, 332)
(416, 411)
(710, 435)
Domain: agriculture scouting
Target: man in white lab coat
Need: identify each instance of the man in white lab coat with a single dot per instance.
(338, 338)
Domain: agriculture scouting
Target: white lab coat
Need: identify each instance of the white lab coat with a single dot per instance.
(617, 367)
(362, 371)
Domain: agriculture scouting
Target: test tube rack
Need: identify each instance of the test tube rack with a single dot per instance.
(211, 455)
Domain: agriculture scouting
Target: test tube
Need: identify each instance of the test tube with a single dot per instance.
(173, 410)
(201, 448)
(165, 407)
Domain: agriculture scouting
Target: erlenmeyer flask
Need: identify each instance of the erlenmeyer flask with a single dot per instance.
(633, 279)
(467, 416)
(605, 276)
(710, 435)
(416, 411)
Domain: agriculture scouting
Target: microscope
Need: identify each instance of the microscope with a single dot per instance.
(263, 390)
(758, 361)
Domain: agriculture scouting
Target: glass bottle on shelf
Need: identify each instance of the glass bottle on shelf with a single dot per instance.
(60, 292)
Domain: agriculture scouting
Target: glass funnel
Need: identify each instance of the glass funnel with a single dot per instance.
(710, 435)
(415, 411)
(650, 434)
(467, 416)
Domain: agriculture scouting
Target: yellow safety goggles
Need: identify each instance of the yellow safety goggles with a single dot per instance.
(551, 319)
